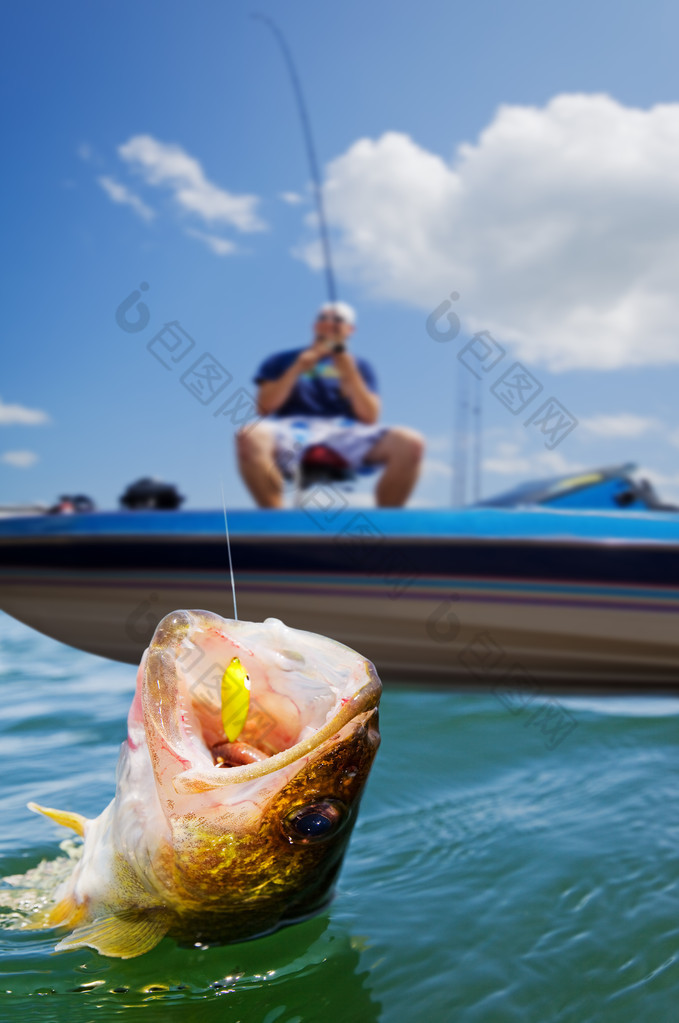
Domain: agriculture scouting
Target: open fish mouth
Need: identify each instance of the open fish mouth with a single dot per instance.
(258, 825)
(304, 690)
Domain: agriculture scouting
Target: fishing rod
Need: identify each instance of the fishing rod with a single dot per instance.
(311, 152)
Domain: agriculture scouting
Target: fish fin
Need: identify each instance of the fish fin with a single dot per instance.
(123, 935)
(67, 818)
(66, 912)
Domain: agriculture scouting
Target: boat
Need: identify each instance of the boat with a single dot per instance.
(531, 595)
(615, 487)
(12, 511)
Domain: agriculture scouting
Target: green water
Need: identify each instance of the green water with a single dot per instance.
(490, 877)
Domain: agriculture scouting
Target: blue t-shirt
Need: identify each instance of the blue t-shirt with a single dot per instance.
(316, 392)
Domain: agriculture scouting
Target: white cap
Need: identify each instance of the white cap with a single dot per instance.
(342, 309)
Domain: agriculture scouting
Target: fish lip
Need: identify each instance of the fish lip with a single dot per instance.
(166, 644)
(361, 705)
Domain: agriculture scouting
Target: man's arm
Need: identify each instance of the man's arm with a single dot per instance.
(274, 393)
(364, 402)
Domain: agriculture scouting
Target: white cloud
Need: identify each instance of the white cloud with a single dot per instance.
(439, 443)
(292, 198)
(119, 193)
(168, 165)
(436, 467)
(559, 227)
(220, 246)
(542, 463)
(626, 424)
(19, 459)
(19, 415)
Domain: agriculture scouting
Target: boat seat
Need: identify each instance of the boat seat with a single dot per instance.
(320, 464)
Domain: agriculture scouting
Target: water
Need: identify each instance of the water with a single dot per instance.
(490, 877)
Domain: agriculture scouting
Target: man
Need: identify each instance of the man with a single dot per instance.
(323, 395)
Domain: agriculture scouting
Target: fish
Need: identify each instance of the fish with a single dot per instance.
(217, 839)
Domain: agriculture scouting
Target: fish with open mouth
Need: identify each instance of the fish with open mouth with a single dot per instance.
(212, 838)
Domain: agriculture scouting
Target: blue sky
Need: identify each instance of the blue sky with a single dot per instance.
(521, 154)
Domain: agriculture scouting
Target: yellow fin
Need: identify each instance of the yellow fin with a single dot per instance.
(66, 912)
(75, 821)
(235, 699)
(124, 935)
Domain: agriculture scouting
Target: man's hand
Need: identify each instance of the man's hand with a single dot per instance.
(365, 404)
(320, 348)
(274, 393)
(310, 356)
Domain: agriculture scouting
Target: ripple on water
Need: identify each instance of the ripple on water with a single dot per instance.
(489, 878)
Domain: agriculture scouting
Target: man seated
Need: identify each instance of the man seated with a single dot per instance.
(323, 395)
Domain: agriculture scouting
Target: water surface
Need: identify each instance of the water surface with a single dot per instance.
(493, 875)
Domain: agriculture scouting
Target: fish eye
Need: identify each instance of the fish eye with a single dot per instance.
(315, 822)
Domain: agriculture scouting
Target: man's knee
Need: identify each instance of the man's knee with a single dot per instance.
(253, 442)
(406, 444)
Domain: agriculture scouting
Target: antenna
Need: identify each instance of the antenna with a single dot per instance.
(311, 151)
(461, 439)
(228, 544)
(478, 438)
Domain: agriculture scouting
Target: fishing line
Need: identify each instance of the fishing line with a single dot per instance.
(311, 151)
(228, 544)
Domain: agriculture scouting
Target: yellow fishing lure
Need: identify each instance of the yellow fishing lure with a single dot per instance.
(235, 699)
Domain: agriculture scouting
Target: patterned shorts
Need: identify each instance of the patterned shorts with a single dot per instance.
(349, 438)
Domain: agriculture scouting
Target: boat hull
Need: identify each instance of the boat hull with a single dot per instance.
(491, 602)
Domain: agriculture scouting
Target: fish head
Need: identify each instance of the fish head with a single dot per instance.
(250, 846)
